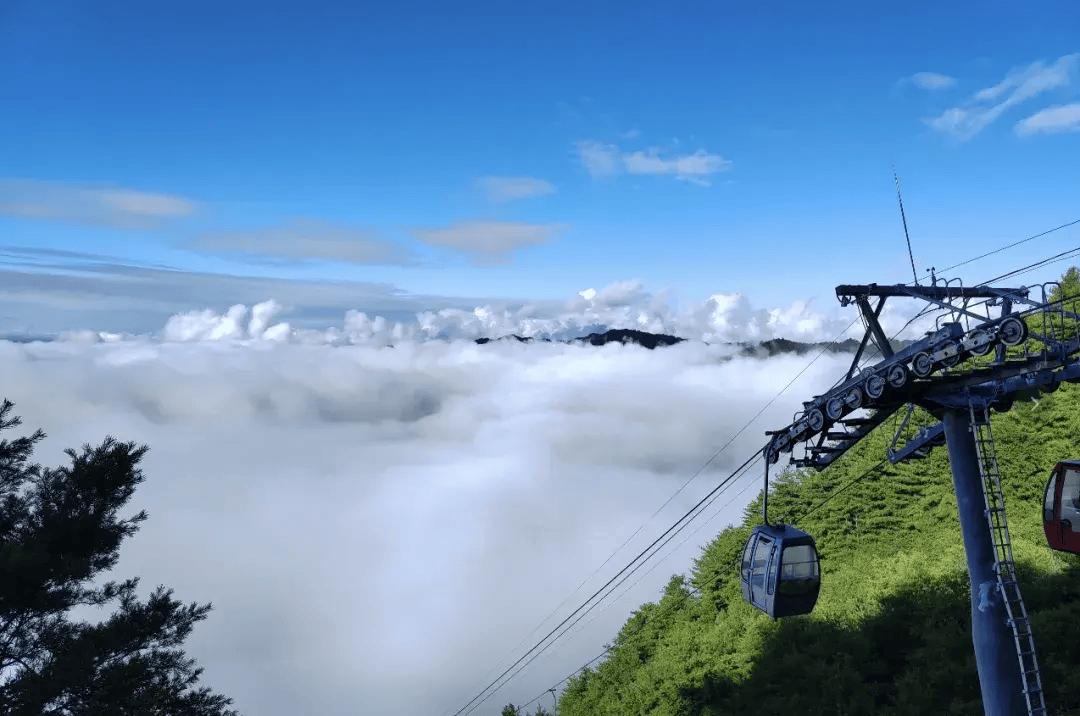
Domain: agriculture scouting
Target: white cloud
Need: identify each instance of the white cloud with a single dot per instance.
(693, 167)
(488, 243)
(1019, 85)
(1064, 118)
(206, 325)
(91, 205)
(602, 160)
(309, 239)
(501, 189)
(359, 515)
(932, 81)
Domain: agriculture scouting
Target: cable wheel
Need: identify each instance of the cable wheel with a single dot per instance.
(834, 408)
(853, 398)
(1012, 331)
(953, 359)
(896, 376)
(983, 342)
(815, 420)
(874, 387)
(922, 365)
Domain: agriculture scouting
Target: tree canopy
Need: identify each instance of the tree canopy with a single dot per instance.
(59, 530)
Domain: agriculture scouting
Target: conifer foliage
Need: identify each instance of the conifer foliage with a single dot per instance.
(59, 530)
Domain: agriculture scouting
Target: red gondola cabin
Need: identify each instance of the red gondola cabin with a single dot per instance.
(1061, 507)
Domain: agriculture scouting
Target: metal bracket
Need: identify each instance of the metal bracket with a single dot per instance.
(920, 445)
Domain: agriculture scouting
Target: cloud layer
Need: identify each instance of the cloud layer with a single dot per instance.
(360, 515)
(106, 206)
(489, 243)
(502, 189)
(305, 239)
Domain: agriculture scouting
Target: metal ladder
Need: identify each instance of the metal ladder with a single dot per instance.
(1003, 560)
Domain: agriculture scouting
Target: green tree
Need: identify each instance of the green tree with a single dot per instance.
(59, 529)
(510, 710)
(1069, 286)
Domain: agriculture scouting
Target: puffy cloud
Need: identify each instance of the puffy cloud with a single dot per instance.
(1019, 85)
(500, 189)
(206, 325)
(92, 205)
(1064, 118)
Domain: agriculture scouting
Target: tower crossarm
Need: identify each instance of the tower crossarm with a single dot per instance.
(951, 293)
(847, 293)
(832, 423)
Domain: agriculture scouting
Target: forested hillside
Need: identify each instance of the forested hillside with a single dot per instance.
(891, 630)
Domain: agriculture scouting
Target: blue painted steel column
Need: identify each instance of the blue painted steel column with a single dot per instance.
(995, 651)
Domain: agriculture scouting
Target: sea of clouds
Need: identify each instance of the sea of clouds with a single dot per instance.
(381, 513)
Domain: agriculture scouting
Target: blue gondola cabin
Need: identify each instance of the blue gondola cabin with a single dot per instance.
(780, 571)
(1061, 507)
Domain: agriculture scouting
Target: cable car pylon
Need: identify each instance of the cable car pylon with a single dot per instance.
(933, 373)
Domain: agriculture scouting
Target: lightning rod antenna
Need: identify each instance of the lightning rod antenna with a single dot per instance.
(903, 219)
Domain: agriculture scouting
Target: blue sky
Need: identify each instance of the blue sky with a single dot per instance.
(529, 151)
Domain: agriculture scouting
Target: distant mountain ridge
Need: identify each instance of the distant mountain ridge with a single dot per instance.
(27, 337)
(762, 349)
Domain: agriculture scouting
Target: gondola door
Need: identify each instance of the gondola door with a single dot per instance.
(1061, 508)
(760, 571)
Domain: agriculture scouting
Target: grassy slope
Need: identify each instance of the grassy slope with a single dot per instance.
(891, 631)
